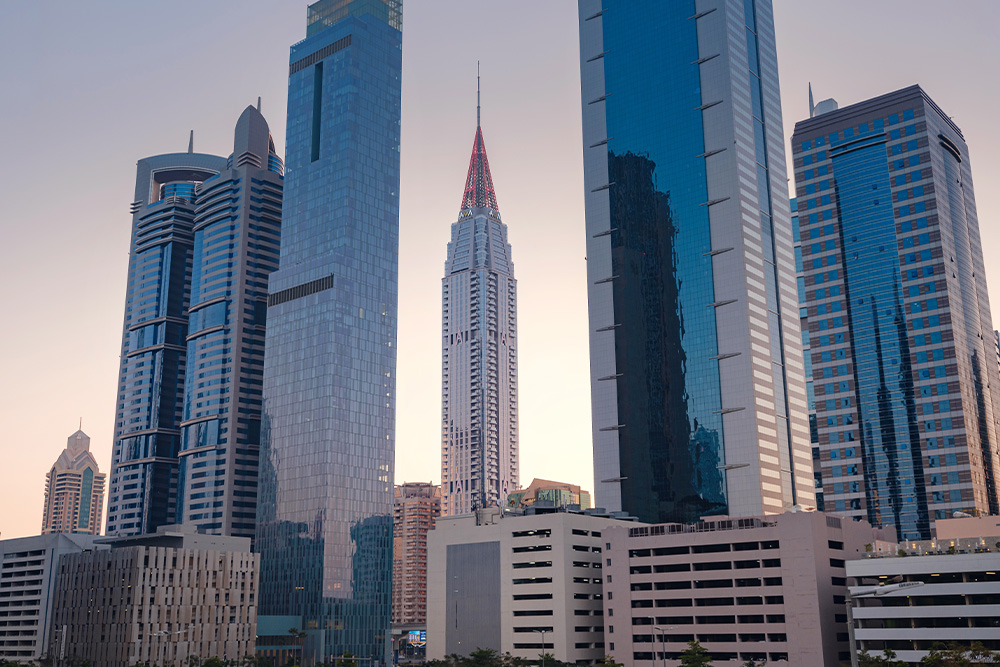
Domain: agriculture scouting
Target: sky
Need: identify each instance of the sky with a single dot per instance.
(86, 89)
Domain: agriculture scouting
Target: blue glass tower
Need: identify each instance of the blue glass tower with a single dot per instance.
(898, 314)
(237, 232)
(699, 406)
(328, 438)
(143, 489)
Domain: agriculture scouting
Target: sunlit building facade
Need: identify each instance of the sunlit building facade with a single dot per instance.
(698, 398)
(74, 490)
(901, 335)
(415, 507)
(324, 517)
(479, 462)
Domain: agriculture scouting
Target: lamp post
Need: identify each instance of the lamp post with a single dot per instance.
(663, 643)
(871, 592)
(543, 647)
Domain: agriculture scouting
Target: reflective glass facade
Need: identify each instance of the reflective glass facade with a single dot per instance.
(143, 488)
(237, 231)
(898, 315)
(692, 294)
(324, 521)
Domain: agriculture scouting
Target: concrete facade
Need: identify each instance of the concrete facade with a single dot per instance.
(157, 598)
(27, 587)
(415, 507)
(499, 580)
(957, 600)
(770, 588)
(74, 490)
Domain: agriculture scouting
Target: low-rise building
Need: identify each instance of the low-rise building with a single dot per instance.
(27, 587)
(771, 588)
(157, 598)
(519, 583)
(930, 592)
(548, 493)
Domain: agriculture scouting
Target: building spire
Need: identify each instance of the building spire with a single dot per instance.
(191, 142)
(258, 104)
(812, 106)
(477, 94)
(479, 183)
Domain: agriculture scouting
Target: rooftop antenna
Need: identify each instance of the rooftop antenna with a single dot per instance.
(258, 104)
(477, 93)
(812, 106)
(191, 142)
(81, 424)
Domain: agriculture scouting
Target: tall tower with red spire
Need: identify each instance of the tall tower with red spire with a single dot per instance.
(479, 458)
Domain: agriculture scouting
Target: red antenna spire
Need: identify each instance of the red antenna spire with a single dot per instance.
(479, 183)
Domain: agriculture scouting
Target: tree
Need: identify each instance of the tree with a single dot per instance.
(886, 659)
(695, 655)
(213, 662)
(609, 661)
(753, 663)
(958, 655)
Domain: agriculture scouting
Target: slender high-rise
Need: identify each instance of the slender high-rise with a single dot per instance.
(479, 464)
(74, 490)
(324, 516)
(900, 331)
(142, 494)
(416, 506)
(237, 232)
(699, 403)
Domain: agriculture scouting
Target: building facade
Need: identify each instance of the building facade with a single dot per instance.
(157, 599)
(237, 232)
(553, 494)
(898, 314)
(74, 490)
(699, 405)
(498, 580)
(768, 589)
(27, 589)
(324, 517)
(142, 491)
(927, 600)
(416, 505)
(479, 463)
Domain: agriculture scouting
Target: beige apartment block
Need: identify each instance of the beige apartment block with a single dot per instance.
(74, 490)
(770, 588)
(157, 598)
(518, 583)
(415, 507)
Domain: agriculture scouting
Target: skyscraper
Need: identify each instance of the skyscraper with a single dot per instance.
(415, 507)
(901, 336)
(328, 434)
(143, 487)
(699, 405)
(479, 464)
(205, 236)
(237, 231)
(74, 490)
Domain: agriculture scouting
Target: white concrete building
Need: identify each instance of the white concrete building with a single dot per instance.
(27, 586)
(950, 597)
(500, 581)
(770, 588)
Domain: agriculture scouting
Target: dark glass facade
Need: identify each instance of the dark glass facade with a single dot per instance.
(898, 315)
(324, 521)
(689, 291)
(143, 488)
(237, 233)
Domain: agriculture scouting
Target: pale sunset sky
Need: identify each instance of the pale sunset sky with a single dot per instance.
(88, 88)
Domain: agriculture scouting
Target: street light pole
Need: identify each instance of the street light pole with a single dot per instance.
(543, 648)
(871, 592)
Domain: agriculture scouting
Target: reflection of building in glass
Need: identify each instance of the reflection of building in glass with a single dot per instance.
(479, 462)
(327, 445)
(903, 359)
(187, 434)
(142, 492)
(74, 490)
(696, 383)
(416, 505)
(553, 494)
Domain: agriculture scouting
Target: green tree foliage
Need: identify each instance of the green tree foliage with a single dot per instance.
(609, 661)
(695, 655)
(957, 655)
(884, 659)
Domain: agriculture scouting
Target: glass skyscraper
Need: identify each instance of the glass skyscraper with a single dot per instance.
(237, 231)
(699, 403)
(899, 324)
(479, 462)
(142, 494)
(324, 518)
(205, 236)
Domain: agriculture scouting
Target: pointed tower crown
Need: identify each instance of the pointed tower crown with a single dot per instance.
(479, 184)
